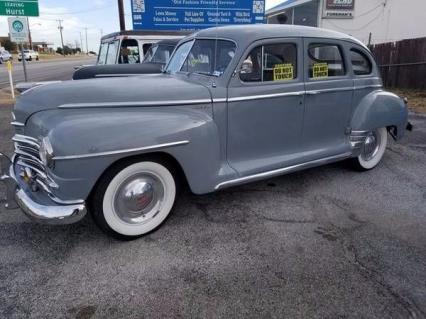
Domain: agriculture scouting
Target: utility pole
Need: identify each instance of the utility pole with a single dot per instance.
(121, 15)
(87, 43)
(62, 38)
(81, 43)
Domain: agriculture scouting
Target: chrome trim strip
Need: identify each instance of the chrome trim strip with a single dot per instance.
(284, 170)
(264, 96)
(224, 100)
(313, 92)
(19, 152)
(15, 123)
(140, 103)
(131, 150)
(26, 139)
(372, 86)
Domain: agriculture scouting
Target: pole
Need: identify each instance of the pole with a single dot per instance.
(24, 63)
(121, 15)
(62, 38)
(9, 70)
(87, 43)
(81, 41)
(369, 40)
(29, 34)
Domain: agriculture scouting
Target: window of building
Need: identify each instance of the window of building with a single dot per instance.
(325, 60)
(275, 62)
(361, 64)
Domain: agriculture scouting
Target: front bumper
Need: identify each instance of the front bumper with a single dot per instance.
(18, 196)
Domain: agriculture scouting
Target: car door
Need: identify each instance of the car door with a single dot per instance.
(329, 93)
(265, 107)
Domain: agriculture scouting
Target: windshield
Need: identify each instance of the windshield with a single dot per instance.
(210, 57)
(159, 53)
(102, 53)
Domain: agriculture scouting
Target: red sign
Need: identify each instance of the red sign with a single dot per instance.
(340, 4)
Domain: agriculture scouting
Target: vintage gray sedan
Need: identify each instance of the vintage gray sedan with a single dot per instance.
(235, 105)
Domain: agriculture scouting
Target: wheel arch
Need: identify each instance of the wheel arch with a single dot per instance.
(160, 157)
(381, 109)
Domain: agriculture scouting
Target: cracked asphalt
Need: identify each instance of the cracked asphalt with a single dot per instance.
(323, 243)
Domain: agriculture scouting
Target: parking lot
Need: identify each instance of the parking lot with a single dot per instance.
(323, 243)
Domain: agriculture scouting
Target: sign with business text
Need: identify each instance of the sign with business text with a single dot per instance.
(339, 9)
(191, 15)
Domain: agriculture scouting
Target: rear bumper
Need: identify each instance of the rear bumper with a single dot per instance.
(48, 212)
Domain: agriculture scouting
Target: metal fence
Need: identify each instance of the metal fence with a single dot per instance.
(403, 63)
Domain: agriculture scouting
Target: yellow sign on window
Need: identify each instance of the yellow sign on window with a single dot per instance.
(320, 70)
(283, 72)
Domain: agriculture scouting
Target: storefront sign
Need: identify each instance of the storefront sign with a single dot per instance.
(339, 9)
(190, 15)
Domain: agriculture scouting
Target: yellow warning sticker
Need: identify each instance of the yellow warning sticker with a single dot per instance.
(320, 70)
(283, 72)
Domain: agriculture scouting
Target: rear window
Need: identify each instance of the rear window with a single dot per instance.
(325, 61)
(361, 64)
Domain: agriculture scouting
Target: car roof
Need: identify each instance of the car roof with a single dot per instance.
(173, 42)
(249, 33)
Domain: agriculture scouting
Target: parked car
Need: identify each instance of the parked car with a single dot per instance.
(29, 55)
(236, 104)
(153, 62)
(5, 56)
(129, 47)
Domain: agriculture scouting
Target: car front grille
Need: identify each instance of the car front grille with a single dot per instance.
(27, 151)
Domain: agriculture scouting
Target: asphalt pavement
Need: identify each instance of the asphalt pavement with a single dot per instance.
(323, 243)
(48, 70)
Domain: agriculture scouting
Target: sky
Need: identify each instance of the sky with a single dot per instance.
(98, 16)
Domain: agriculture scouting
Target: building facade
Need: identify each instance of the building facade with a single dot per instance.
(371, 21)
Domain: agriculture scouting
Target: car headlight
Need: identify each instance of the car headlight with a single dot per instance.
(46, 152)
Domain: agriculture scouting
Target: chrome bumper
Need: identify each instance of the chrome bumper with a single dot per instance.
(47, 214)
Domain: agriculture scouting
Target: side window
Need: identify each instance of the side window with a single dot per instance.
(361, 64)
(112, 52)
(274, 62)
(325, 60)
(146, 47)
(129, 53)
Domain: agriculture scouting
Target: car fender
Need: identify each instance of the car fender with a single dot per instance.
(87, 142)
(380, 109)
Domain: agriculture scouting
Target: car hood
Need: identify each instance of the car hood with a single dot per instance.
(138, 91)
(116, 70)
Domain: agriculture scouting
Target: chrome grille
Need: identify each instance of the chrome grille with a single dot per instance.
(27, 150)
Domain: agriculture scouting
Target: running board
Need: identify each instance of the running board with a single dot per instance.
(285, 170)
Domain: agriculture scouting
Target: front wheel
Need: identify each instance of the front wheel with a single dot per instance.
(134, 200)
(372, 151)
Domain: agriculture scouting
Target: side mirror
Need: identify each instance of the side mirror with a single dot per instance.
(247, 67)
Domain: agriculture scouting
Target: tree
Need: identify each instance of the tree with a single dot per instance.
(59, 50)
(10, 46)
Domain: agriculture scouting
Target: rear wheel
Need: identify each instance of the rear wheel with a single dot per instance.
(133, 200)
(372, 151)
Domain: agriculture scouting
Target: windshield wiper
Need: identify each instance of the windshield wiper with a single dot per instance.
(205, 73)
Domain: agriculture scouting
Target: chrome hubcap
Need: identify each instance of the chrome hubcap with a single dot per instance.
(139, 198)
(371, 146)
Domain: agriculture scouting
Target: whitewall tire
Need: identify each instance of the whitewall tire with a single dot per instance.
(134, 200)
(373, 150)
